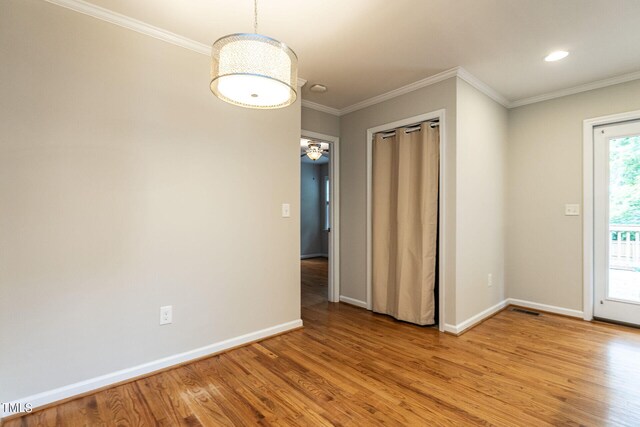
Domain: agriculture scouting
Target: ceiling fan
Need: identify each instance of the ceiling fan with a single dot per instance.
(314, 151)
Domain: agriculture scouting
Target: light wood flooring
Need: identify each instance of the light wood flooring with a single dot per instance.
(354, 368)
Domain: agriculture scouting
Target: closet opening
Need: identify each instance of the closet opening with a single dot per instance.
(405, 219)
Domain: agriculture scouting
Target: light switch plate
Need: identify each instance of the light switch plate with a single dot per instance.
(572, 209)
(286, 210)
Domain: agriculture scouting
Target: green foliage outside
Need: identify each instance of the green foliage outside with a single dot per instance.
(624, 181)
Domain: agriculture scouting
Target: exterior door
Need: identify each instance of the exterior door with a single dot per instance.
(617, 222)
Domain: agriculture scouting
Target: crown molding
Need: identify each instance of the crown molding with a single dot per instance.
(124, 21)
(482, 87)
(478, 84)
(132, 24)
(127, 22)
(577, 89)
(320, 107)
(436, 78)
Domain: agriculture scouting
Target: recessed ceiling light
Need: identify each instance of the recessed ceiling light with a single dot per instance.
(318, 88)
(556, 56)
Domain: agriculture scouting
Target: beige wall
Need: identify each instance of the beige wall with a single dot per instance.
(353, 178)
(481, 148)
(320, 122)
(544, 247)
(125, 185)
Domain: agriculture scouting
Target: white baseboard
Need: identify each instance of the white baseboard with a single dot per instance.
(85, 386)
(314, 256)
(549, 308)
(450, 328)
(353, 301)
(462, 326)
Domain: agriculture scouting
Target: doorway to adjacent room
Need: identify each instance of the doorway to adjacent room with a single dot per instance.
(319, 228)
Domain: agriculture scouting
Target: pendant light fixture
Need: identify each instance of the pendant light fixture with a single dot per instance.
(254, 71)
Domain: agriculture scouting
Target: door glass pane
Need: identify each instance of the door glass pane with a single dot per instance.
(624, 219)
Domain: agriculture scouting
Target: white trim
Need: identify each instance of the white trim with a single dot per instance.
(85, 386)
(334, 235)
(587, 220)
(478, 84)
(369, 223)
(548, 308)
(307, 256)
(353, 301)
(452, 329)
(141, 27)
(474, 320)
(482, 87)
(577, 89)
(436, 78)
(132, 24)
(587, 202)
(320, 107)
(442, 280)
(124, 21)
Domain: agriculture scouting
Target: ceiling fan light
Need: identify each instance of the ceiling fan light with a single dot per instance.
(314, 155)
(253, 71)
(314, 151)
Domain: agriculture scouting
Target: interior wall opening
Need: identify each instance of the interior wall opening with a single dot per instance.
(319, 218)
(316, 220)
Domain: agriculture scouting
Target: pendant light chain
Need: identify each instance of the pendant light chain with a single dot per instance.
(255, 16)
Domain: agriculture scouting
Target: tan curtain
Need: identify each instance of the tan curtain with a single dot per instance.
(405, 223)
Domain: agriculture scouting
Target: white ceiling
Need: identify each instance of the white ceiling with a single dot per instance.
(363, 48)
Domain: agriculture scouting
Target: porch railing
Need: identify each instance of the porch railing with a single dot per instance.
(624, 247)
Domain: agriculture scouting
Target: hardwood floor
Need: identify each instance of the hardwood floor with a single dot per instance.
(351, 367)
(314, 281)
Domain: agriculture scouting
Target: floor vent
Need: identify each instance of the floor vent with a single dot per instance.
(522, 310)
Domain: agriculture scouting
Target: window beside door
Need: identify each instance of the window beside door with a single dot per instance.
(327, 210)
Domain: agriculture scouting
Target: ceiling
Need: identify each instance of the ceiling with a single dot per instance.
(363, 48)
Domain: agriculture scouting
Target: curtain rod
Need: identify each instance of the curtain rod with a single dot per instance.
(411, 128)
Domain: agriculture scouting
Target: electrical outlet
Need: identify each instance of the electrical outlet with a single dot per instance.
(166, 315)
(572, 209)
(490, 280)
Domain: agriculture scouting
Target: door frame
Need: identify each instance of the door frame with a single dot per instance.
(588, 199)
(334, 207)
(442, 282)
